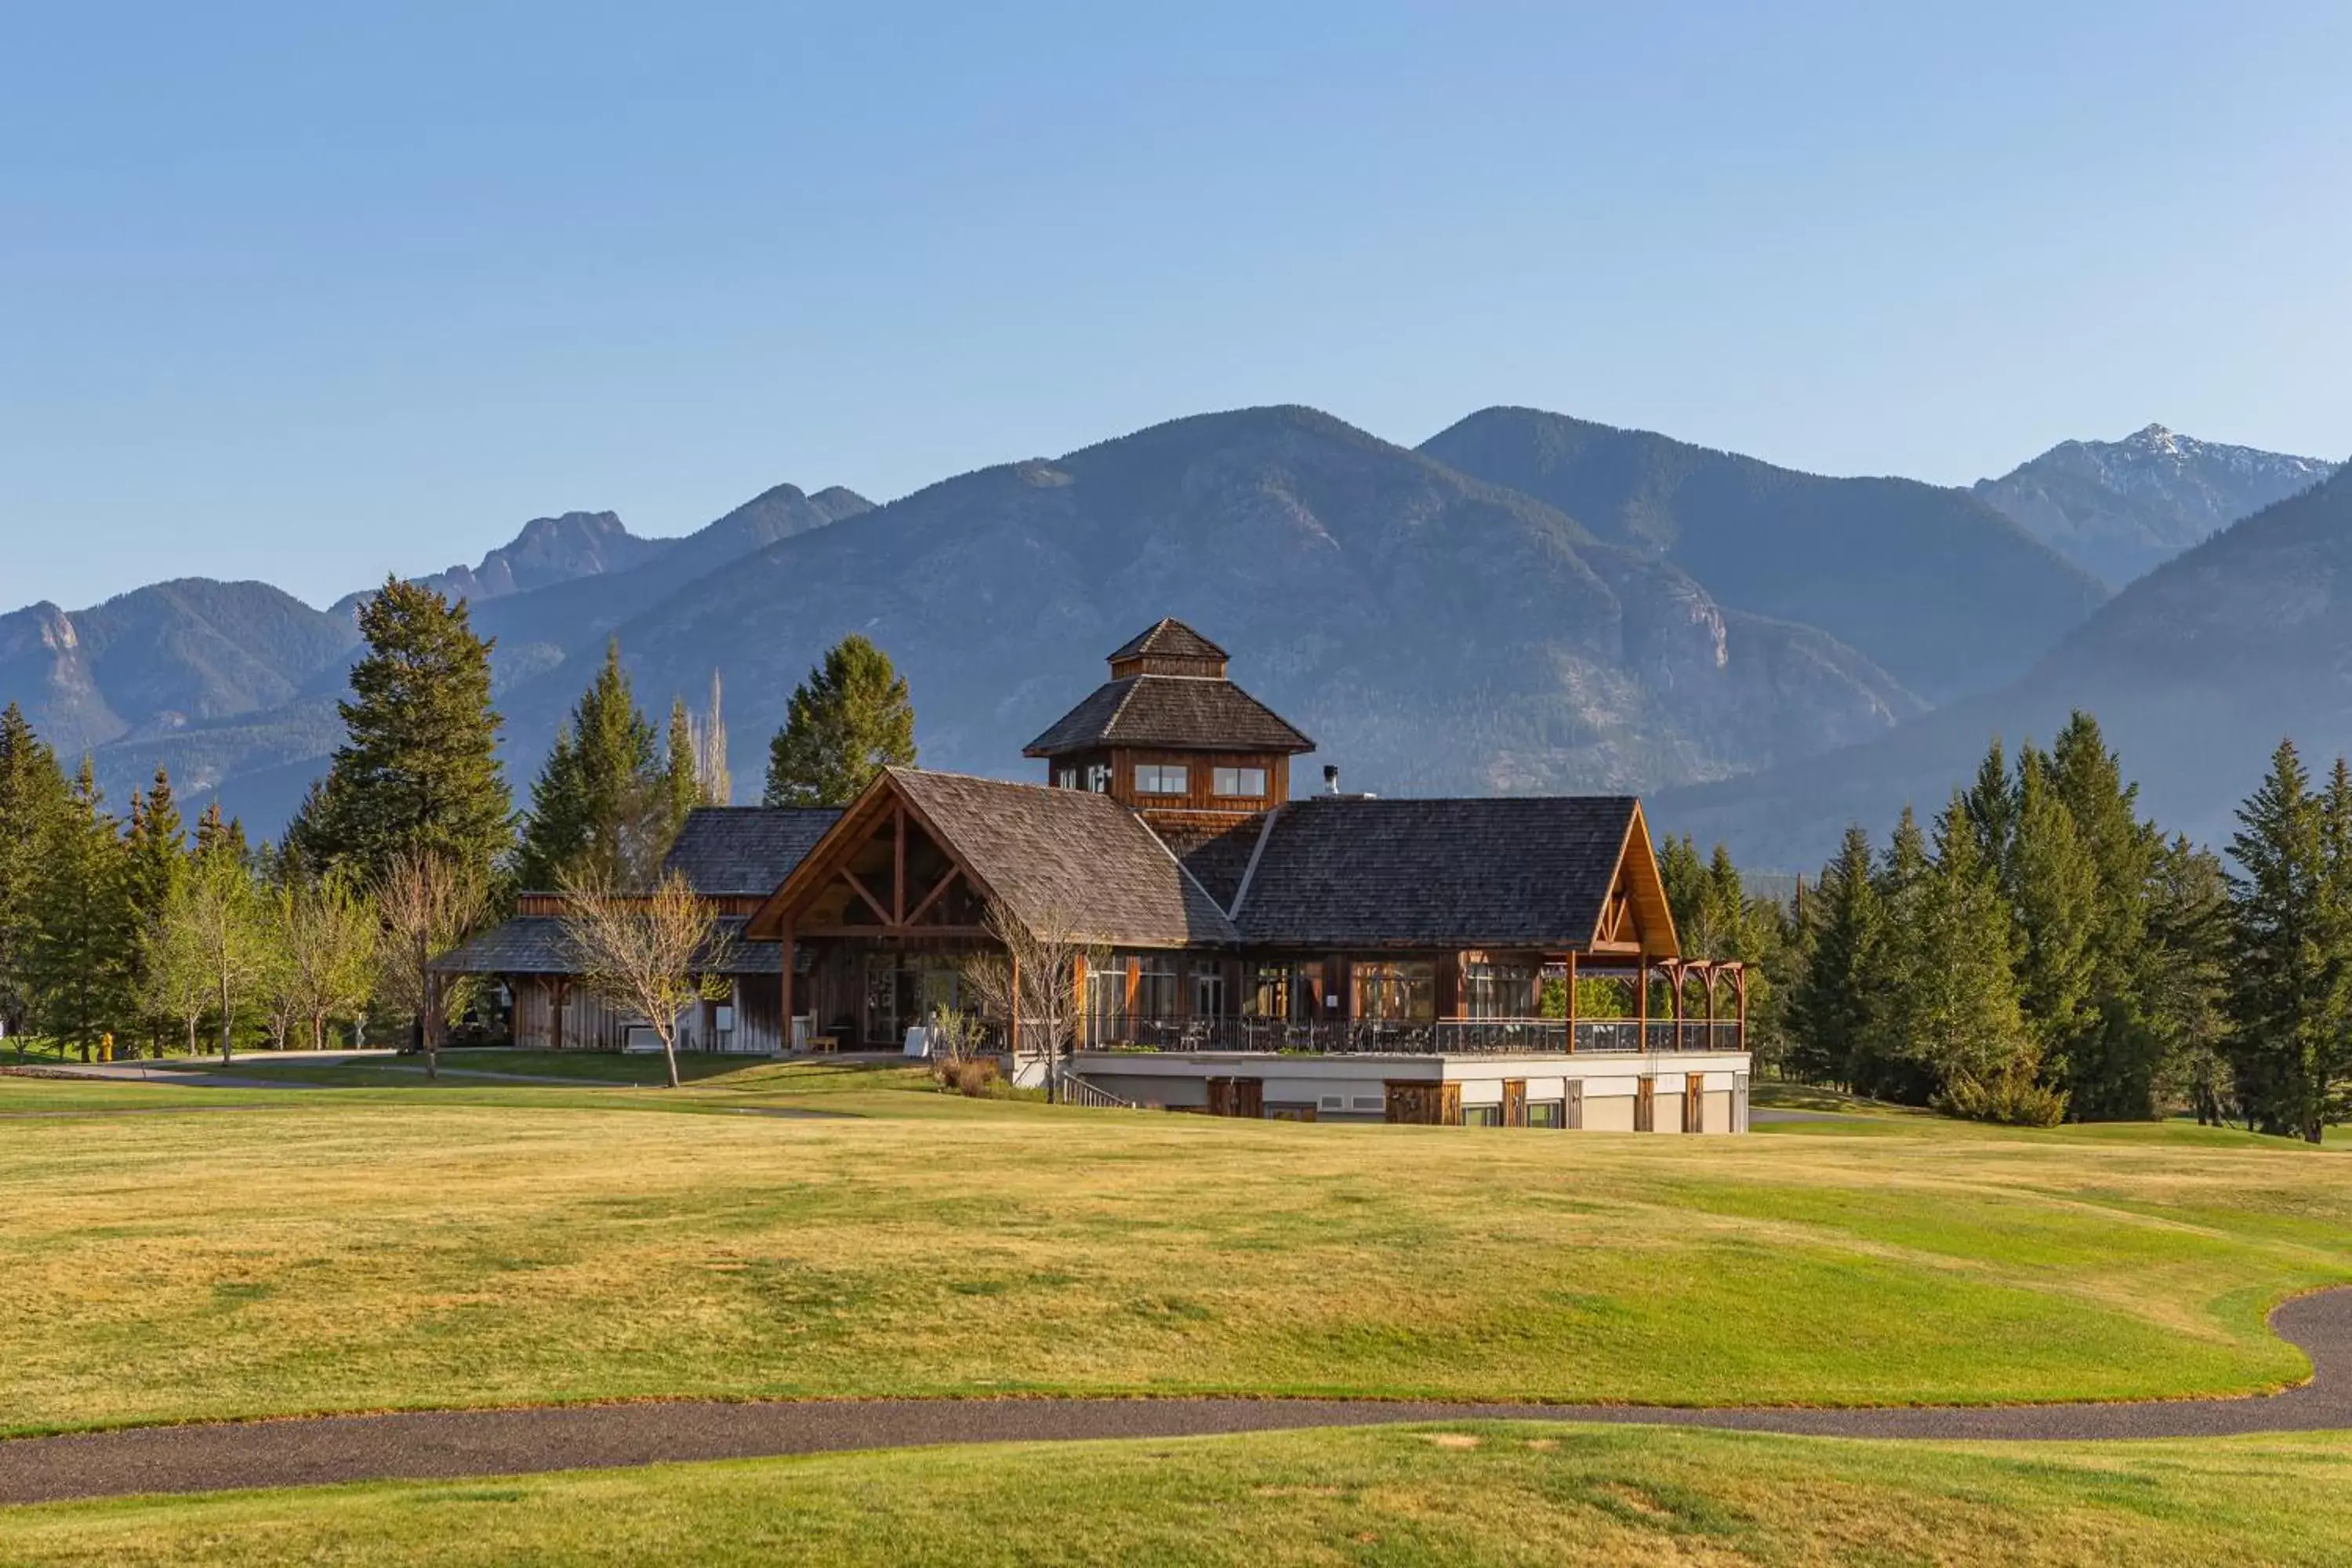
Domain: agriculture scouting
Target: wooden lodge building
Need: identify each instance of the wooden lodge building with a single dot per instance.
(1251, 952)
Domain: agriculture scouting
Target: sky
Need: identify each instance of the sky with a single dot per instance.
(312, 293)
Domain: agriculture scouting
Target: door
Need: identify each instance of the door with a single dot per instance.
(1695, 1102)
(1646, 1105)
(1515, 1102)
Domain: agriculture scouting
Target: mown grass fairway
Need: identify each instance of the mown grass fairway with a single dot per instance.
(1503, 1493)
(410, 1246)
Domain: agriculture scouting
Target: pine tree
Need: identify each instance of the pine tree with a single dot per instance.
(1883, 1065)
(599, 807)
(681, 781)
(1684, 876)
(32, 797)
(419, 766)
(2280, 1001)
(218, 837)
(2187, 980)
(83, 933)
(2112, 1068)
(2053, 889)
(1954, 1009)
(1994, 805)
(155, 862)
(1831, 1014)
(847, 721)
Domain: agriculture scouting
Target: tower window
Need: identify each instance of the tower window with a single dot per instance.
(1160, 778)
(1238, 781)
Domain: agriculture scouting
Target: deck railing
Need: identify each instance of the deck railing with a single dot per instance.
(1388, 1037)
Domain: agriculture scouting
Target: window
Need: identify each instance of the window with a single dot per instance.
(1545, 1113)
(1098, 778)
(1270, 993)
(1482, 1116)
(1160, 778)
(1155, 987)
(1400, 992)
(1065, 778)
(1238, 781)
(1498, 990)
(1208, 991)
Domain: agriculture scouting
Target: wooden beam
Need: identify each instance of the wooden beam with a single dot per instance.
(1571, 1001)
(933, 897)
(872, 902)
(898, 864)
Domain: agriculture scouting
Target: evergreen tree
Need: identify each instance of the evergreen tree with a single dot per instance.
(1684, 876)
(155, 862)
(2187, 984)
(2054, 889)
(2281, 1007)
(847, 721)
(2112, 1067)
(1884, 1066)
(1994, 805)
(681, 780)
(83, 933)
(220, 838)
(1836, 994)
(1953, 1008)
(419, 766)
(32, 797)
(599, 808)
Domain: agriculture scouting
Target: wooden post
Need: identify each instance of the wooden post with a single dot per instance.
(1571, 1003)
(1641, 1003)
(899, 869)
(784, 993)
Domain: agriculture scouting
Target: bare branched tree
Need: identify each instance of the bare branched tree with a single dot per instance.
(651, 954)
(428, 904)
(1036, 979)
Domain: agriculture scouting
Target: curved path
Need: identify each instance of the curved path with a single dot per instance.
(436, 1444)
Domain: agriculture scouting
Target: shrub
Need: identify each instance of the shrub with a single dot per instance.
(975, 1077)
(2013, 1099)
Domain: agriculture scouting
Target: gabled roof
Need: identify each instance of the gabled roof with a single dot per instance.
(745, 851)
(536, 944)
(1183, 711)
(1084, 856)
(1169, 639)
(1525, 872)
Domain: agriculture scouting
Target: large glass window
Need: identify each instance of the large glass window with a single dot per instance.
(1155, 987)
(1404, 991)
(1482, 1116)
(1498, 990)
(1269, 995)
(1160, 778)
(1238, 781)
(1208, 991)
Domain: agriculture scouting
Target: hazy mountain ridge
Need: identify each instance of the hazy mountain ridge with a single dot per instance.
(1432, 631)
(2195, 672)
(160, 657)
(2120, 508)
(548, 551)
(1943, 591)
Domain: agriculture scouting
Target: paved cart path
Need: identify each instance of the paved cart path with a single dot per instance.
(449, 1444)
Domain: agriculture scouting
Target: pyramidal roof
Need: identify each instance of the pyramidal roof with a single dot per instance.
(1169, 639)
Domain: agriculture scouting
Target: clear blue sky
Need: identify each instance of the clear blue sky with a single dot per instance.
(300, 293)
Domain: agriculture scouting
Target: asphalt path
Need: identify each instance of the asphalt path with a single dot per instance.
(440, 1445)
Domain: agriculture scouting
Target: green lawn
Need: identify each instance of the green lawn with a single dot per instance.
(1488, 1493)
(481, 1244)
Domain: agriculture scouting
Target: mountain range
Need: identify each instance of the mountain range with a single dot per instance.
(2195, 673)
(2121, 509)
(1525, 602)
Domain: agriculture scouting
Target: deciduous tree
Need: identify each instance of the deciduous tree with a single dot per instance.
(645, 955)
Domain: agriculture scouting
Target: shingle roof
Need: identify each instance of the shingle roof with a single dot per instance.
(1506, 872)
(1169, 639)
(535, 944)
(1080, 854)
(1185, 712)
(745, 851)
